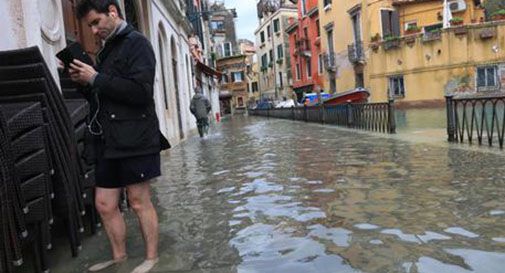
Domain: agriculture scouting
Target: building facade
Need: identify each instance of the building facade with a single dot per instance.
(204, 71)
(248, 49)
(305, 49)
(51, 24)
(272, 42)
(400, 49)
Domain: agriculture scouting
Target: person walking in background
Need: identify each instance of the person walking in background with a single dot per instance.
(200, 108)
(125, 125)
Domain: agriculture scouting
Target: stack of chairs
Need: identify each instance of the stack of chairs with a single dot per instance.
(41, 124)
(12, 225)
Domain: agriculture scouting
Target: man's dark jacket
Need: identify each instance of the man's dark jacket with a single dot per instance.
(124, 85)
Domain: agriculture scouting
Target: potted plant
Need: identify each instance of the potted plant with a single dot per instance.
(391, 41)
(375, 38)
(279, 61)
(498, 15)
(374, 41)
(412, 29)
(432, 35)
(270, 64)
(456, 21)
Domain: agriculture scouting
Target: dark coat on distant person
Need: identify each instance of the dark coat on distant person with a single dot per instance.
(200, 106)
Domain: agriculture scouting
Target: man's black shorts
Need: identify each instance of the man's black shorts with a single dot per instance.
(121, 172)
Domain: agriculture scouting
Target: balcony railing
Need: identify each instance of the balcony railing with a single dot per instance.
(356, 53)
(330, 62)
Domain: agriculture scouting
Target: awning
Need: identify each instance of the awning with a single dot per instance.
(207, 70)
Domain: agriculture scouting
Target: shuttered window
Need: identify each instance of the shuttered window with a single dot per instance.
(390, 23)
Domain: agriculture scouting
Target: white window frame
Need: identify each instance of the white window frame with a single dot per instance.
(235, 76)
(407, 24)
(487, 87)
(392, 89)
(380, 18)
(224, 51)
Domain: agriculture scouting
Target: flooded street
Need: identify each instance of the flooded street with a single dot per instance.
(272, 196)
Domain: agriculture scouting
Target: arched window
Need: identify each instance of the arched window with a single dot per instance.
(175, 79)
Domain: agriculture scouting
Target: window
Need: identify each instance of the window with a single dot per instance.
(217, 25)
(262, 37)
(410, 25)
(224, 78)
(237, 76)
(487, 78)
(306, 37)
(280, 52)
(318, 28)
(240, 101)
(277, 26)
(397, 86)
(279, 80)
(264, 61)
(356, 26)
(309, 67)
(390, 23)
(269, 32)
(303, 7)
(227, 52)
(320, 62)
(298, 74)
(329, 33)
(271, 53)
(254, 86)
(327, 3)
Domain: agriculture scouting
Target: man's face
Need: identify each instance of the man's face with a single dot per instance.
(101, 24)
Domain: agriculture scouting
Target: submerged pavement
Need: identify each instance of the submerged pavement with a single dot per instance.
(274, 196)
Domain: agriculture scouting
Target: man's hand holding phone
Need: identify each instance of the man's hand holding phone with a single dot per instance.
(81, 72)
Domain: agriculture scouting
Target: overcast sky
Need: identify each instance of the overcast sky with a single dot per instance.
(247, 20)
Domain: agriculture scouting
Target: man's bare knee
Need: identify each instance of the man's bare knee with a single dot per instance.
(105, 206)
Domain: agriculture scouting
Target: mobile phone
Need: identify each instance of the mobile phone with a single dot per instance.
(71, 52)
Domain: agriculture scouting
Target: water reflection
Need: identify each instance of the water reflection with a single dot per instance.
(276, 196)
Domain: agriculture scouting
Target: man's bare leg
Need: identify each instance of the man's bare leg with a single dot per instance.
(139, 196)
(106, 202)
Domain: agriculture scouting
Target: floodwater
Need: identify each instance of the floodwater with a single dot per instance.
(272, 196)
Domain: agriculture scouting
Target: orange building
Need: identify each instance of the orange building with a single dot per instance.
(304, 43)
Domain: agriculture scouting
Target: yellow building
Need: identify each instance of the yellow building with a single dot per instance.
(399, 49)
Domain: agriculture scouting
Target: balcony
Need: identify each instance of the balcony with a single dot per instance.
(355, 53)
(330, 62)
(303, 47)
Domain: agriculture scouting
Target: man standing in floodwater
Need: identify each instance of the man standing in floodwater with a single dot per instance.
(200, 108)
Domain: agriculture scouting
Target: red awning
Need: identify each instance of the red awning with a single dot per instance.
(207, 70)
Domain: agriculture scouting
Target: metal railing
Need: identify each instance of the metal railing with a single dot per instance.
(378, 117)
(330, 62)
(355, 52)
(476, 119)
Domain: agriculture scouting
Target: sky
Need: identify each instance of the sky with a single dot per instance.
(247, 20)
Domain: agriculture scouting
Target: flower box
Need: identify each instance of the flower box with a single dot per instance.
(456, 21)
(410, 39)
(374, 46)
(487, 33)
(460, 30)
(432, 36)
(391, 43)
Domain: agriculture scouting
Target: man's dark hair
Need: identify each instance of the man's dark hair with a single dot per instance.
(101, 6)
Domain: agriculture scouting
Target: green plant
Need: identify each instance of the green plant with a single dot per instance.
(493, 6)
(499, 12)
(456, 20)
(375, 38)
(271, 64)
(279, 61)
(413, 28)
(390, 38)
(436, 30)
